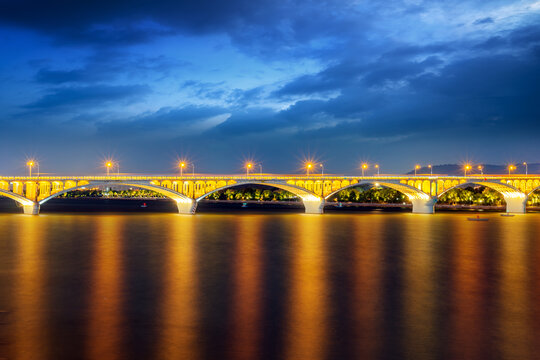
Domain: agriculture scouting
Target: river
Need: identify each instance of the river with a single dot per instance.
(269, 286)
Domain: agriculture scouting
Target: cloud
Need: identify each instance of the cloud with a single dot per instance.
(88, 96)
(486, 20)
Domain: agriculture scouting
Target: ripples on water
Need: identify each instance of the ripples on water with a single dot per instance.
(269, 286)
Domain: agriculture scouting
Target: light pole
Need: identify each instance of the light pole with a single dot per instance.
(309, 166)
(108, 166)
(260, 168)
(466, 168)
(322, 169)
(364, 168)
(30, 165)
(526, 168)
(430, 169)
(416, 168)
(182, 165)
(511, 168)
(193, 169)
(481, 168)
(248, 167)
(378, 169)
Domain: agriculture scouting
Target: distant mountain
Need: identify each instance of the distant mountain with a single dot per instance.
(455, 169)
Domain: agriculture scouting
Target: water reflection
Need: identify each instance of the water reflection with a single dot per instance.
(246, 330)
(367, 290)
(179, 313)
(359, 286)
(514, 313)
(29, 316)
(306, 330)
(106, 293)
(419, 289)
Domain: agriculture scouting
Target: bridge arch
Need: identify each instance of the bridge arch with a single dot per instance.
(421, 202)
(516, 200)
(184, 203)
(411, 192)
(18, 198)
(313, 204)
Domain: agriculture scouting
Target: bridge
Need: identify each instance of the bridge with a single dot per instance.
(423, 191)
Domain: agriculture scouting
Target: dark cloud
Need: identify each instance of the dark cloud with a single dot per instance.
(486, 20)
(86, 96)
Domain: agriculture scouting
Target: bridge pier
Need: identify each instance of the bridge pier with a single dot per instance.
(31, 209)
(186, 207)
(516, 203)
(314, 205)
(423, 206)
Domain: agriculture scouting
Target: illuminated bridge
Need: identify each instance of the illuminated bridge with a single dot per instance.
(423, 191)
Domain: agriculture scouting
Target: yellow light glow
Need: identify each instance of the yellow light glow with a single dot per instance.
(417, 167)
(182, 164)
(376, 166)
(429, 166)
(468, 167)
(309, 165)
(480, 167)
(249, 165)
(30, 163)
(108, 164)
(364, 166)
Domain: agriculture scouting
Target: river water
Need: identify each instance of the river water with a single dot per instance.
(269, 286)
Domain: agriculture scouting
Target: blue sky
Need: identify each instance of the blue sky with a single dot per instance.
(393, 82)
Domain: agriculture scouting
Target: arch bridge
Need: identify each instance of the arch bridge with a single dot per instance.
(423, 191)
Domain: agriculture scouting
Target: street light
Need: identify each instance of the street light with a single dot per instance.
(182, 165)
(322, 169)
(378, 169)
(248, 168)
(364, 168)
(31, 164)
(260, 168)
(416, 168)
(481, 168)
(526, 168)
(430, 169)
(108, 166)
(511, 168)
(309, 166)
(466, 168)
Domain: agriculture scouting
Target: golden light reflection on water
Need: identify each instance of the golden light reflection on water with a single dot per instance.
(419, 293)
(246, 329)
(179, 332)
(514, 313)
(469, 330)
(425, 287)
(106, 294)
(367, 289)
(307, 305)
(29, 316)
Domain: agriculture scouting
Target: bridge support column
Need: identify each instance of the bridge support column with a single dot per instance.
(31, 209)
(314, 205)
(187, 207)
(423, 206)
(516, 204)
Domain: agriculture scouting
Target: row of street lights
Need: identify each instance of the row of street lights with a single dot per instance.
(310, 166)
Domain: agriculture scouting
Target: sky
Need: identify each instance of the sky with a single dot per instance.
(394, 82)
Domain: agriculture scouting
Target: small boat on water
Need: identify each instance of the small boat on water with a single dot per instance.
(508, 215)
(478, 218)
(144, 205)
(244, 205)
